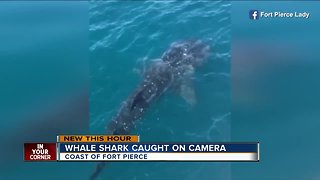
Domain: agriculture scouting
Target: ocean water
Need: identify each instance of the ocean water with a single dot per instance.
(44, 82)
(124, 37)
(275, 83)
(275, 90)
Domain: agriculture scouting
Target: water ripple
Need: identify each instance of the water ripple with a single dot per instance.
(124, 38)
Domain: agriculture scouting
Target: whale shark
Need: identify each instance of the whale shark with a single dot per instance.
(174, 70)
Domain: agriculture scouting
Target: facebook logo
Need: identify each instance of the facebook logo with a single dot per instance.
(254, 14)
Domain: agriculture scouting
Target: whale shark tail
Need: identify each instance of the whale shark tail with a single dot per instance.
(101, 165)
(97, 171)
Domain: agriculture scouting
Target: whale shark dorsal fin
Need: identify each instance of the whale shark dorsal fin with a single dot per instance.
(138, 99)
(186, 89)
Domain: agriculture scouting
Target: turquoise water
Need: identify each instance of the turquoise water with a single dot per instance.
(275, 84)
(44, 82)
(124, 37)
(275, 90)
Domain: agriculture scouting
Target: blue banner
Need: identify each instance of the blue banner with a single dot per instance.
(159, 147)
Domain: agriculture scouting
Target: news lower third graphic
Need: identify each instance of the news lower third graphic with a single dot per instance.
(129, 148)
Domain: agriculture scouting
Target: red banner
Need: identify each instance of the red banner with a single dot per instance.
(40, 152)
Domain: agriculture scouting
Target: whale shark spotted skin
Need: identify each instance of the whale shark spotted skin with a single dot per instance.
(174, 69)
